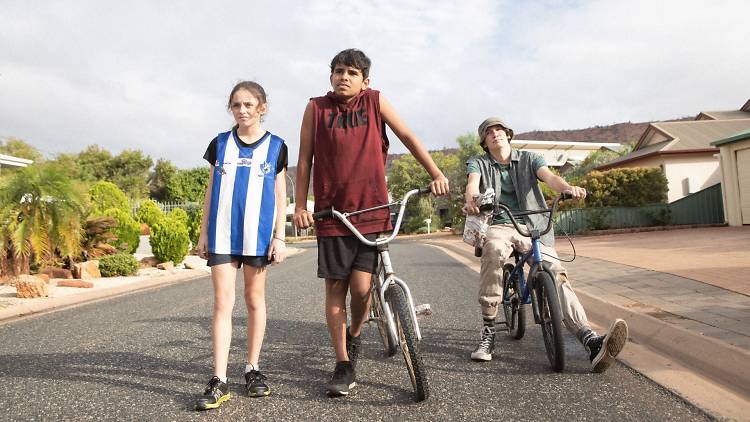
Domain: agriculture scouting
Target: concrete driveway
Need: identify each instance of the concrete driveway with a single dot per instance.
(719, 256)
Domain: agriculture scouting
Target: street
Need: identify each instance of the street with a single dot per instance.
(147, 356)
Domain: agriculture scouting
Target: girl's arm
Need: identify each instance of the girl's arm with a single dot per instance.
(277, 251)
(203, 238)
(409, 139)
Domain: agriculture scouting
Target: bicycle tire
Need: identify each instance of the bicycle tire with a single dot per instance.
(513, 309)
(409, 344)
(551, 320)
(390, 345)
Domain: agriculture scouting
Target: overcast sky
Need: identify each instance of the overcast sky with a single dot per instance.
(155, 75)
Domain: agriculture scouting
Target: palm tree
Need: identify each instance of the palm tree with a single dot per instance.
(40, 217)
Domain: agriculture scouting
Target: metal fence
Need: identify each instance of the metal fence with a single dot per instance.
(169, 206)
(703, 207)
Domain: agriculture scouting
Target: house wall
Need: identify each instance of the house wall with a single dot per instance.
(735, 190)
(686, 175)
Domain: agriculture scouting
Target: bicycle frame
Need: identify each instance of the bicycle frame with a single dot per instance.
(382, 245)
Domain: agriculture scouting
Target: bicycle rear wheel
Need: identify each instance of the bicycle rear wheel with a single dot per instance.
(515, 312)
(408, 342)
(551, 320)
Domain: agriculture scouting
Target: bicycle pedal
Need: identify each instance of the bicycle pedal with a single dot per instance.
(505, 323)
(423, 310)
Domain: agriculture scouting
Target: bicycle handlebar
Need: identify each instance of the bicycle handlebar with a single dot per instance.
(497, 209)
(344, 216)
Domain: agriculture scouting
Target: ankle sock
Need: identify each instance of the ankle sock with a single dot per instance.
(252, 367)
(488, 322)
(222, 379)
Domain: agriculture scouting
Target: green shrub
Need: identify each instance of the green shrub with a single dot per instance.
(121, 264)
(105, 195)
(180, 215)
(169, 240)
(629, 187)
(149, 213)
(127, 231)
(194, 224)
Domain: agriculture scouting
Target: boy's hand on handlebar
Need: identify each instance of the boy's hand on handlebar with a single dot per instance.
(302, 218)
(577, 192)
(440, 186)
(471, 208)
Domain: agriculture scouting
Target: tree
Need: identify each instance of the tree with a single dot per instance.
(407, 174)
(95, 164)
(105, 195)
(596, 159)
(163, 172)
(40, 217)
(188, 185)
(130, 171)
(21, 149)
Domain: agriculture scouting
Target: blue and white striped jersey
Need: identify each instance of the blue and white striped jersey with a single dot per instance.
(243, 200)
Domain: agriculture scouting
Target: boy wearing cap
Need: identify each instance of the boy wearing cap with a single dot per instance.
(514, 176)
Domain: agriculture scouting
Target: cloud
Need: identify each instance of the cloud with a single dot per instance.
(155, 76)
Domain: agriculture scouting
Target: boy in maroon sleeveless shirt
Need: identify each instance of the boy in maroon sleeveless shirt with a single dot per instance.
(343, 138)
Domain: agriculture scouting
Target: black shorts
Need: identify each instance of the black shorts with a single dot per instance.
(240, 260)
(339, 255)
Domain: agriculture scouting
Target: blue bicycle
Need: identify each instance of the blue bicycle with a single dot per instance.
(540, 291)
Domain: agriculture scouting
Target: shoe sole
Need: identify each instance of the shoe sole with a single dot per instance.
(260, 394)
(341, 392)
(218, 403)
(613, 343)
(481, 358)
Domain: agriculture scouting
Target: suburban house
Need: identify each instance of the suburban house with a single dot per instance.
(10, 161)
(735, 180)
(562, 154)
(684, 150)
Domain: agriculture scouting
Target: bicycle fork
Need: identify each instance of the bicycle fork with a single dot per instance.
(389, 279)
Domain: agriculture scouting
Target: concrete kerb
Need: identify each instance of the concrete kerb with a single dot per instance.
(56, 303)
(719, 362)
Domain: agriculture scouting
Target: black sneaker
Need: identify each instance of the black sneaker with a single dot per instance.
(217, 392)
(604, 349)
(342, 380)
(255, 384)
(486, 346)
(353, 345)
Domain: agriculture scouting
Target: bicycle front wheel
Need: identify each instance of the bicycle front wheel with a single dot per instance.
(408, 342)
(390, 344)
(515, 312)
(551, 320)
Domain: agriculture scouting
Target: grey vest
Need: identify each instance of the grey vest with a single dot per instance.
(528, 192)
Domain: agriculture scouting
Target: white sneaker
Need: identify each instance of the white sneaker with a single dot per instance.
(486, 346)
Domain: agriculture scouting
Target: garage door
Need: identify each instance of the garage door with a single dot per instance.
(743, 179)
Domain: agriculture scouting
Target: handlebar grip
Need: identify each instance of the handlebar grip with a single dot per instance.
(565, 196)
(425, 189)
(324, 214)
(486, 207)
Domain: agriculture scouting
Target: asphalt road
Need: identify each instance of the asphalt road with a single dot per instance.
(147, 355)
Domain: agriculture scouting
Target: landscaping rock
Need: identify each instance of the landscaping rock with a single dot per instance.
(57, 272)
(75, 283)
(87, 270)
(166, 265)
(28, 286)
(44, 277)
(149, 261)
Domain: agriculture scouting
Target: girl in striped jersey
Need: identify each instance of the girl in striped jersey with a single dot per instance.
(243, 226)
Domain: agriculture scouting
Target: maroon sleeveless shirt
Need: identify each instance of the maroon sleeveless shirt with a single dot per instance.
(350, 150)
